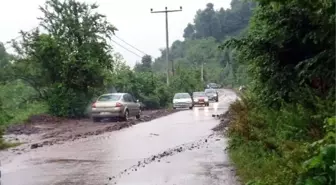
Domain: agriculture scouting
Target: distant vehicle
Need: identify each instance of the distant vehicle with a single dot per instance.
(182, 100)
(115, 105)
(213, 86)
(212, 94)
(200, 98)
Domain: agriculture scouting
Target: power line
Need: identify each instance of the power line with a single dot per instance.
(126, 48)
(131, 45)
(166, 11)
(16, 38)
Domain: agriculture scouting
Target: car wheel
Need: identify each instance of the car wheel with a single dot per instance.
(96, 119)
(190, 107)
(138, 116)
(174, 107)
(126, 116)
(216, 100)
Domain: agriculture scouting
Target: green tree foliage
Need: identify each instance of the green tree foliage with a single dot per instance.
(290, 53)
(70, 61)
(286, 121)
(220, 24)
(145, 65)
(210, 28)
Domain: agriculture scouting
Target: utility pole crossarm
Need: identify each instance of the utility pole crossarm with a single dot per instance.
(166, 11)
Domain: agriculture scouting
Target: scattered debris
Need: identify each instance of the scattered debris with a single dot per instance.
(52, 130)
(170, 152)
(224, 121)
(152, 134)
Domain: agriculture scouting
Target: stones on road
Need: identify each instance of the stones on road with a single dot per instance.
(158, 157)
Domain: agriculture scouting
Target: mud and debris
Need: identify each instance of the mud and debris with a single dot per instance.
(161, 156)
(158, 152)
(224, 121)
(42, 130)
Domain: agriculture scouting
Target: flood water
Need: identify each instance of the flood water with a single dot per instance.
(93, 160)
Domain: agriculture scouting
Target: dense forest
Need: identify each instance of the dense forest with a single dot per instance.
(282, 132)
(201, 40)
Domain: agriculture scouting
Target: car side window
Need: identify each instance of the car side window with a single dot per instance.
(130, 98)
(133, 99)
(127, 98)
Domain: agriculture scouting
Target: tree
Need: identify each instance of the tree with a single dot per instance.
(146, 61)
(202, 37)
(71, 58)
(189, 31)
(145, 65)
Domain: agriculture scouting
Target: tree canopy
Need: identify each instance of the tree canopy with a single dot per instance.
(201, 39)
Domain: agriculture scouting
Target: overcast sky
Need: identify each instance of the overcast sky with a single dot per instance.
(136, 25)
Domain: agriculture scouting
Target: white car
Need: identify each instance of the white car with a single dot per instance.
(182, 100)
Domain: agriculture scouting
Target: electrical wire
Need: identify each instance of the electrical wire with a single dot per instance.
(18, 37)
(126, 48)
(131, 45)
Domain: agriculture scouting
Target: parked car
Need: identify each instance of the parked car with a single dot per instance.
(182, 100)
(200, 98)
(212, 94)
(119, 105)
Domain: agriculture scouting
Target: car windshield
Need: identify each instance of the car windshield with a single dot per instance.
(109, 97)
(198, 94)
(207, 91)
(181, 96)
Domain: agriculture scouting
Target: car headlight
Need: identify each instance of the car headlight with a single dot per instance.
(215, 94)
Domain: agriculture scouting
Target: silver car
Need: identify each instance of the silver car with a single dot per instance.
(182, 100)
(120, 105)
(212, 94)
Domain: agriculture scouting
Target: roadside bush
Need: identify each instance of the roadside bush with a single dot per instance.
(278, 130)
(65, 102)
(320, 168)
(151, 101)
(4, 118)
(151, 88)
(19, 102)
(270, 146)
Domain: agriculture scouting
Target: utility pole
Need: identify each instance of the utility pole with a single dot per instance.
(202, 71)
(166, 11)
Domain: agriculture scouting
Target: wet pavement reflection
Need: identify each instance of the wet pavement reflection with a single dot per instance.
(95, 160)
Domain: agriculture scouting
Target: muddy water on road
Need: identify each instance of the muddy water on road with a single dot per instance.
(94, 160)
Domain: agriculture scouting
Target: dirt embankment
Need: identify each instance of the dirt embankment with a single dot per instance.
(44, 130)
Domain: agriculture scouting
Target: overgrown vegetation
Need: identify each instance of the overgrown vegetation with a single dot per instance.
(62, 69)
(283, 130)
(201, 39)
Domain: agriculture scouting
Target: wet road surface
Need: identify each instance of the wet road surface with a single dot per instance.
(177, 149)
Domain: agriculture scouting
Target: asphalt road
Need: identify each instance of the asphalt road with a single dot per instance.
(178, 149)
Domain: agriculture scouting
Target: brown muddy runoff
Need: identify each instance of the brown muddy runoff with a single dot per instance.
(179, 148)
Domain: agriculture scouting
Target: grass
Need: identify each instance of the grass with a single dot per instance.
(268, 146)
(5, 145)
(14, 96)
(23, 114)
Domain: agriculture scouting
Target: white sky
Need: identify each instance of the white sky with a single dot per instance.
(136, 25)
